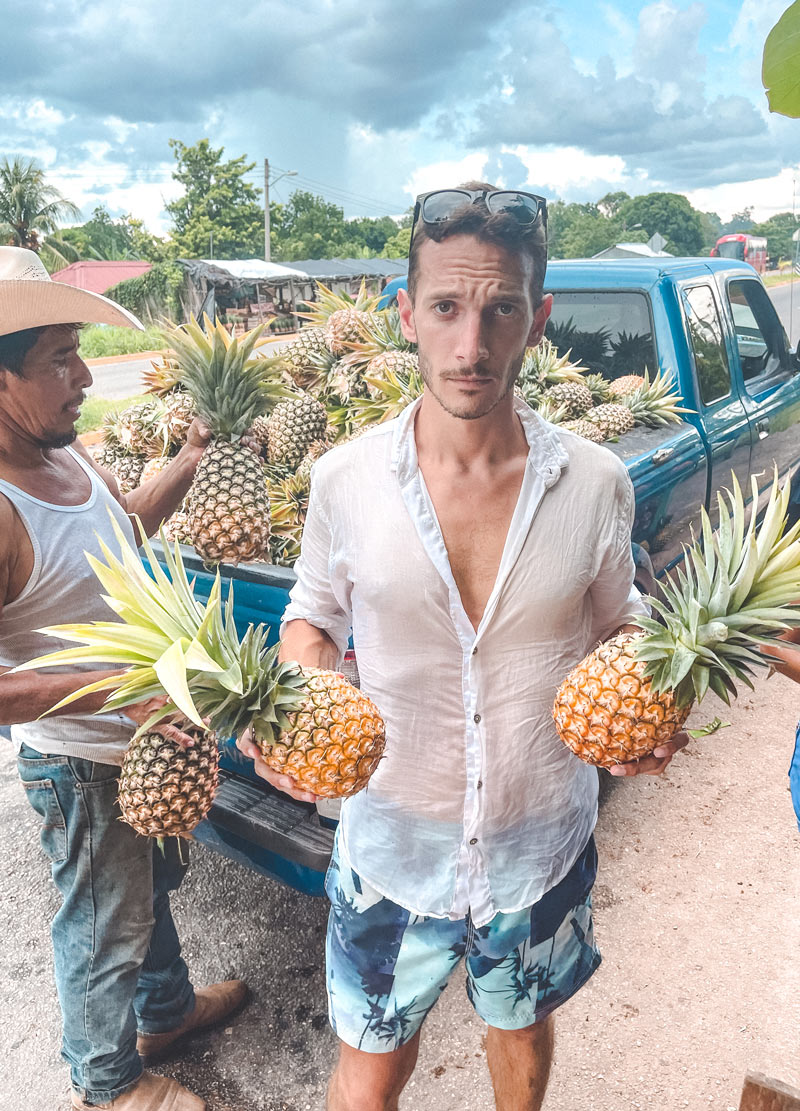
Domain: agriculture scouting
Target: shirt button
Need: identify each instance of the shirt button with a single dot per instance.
(480, 784)
(473, 841)
(475, 651)
(476, 718)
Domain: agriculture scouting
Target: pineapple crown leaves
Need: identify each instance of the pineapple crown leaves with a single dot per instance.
(544, 366)
(227, 382)
(172, 645)
(378, 332)
(389, 396)
(328, 303)
(655, 402)
(737, 589)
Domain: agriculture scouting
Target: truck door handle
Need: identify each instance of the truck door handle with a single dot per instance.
(762, 428)
(662, 455)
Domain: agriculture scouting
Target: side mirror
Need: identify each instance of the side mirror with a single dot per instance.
(797, 356)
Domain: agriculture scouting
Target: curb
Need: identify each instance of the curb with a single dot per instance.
(104, 360)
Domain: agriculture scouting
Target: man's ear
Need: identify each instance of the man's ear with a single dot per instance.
(406, 310)
(540, 319)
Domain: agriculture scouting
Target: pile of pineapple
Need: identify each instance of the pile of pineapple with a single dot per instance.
(349, 367)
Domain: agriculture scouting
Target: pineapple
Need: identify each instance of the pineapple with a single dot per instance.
(141, 427)
(228, 502)
(125, 467)
(164, 789)
(340, 316)
(586, 429)
(620, 386)
(389, 395)
(542, 366)
(551, 411)
(574, 396)
(653, 403)
(612, 419)
(292, 427)
(307, 359)
(308, 723)
(179, 412)
(162, 377)
(737, 589)
(288, 508)
(154, 466)
(599, 387)
(381, 345)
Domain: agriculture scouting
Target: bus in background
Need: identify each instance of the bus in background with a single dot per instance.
(747, 248)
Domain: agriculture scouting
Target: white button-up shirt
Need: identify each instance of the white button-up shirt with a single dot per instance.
(477, 806)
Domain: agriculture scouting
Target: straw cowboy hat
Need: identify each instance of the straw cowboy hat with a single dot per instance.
(29, 298)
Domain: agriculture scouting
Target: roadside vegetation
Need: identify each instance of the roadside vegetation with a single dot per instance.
(95, 408)
(99, 340)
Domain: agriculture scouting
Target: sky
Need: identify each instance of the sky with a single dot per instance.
(369, 104)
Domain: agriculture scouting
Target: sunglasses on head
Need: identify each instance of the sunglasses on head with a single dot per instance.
(441, 205)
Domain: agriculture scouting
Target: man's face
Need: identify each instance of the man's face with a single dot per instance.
(44, 403)
(472, 318)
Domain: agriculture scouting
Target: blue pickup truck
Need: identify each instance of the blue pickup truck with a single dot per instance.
(710, 325)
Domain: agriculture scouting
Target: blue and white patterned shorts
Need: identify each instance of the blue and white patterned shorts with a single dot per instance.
(387, 967)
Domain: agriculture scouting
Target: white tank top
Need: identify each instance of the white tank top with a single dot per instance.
(62, 587)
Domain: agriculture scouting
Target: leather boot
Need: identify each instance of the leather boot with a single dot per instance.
(151, 1093)
(212, 1005)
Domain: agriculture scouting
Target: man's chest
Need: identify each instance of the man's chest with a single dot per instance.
(409, 563)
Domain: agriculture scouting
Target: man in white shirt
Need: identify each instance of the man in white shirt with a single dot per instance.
(476, 553)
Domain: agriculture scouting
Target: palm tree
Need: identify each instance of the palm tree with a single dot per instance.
(30, 209)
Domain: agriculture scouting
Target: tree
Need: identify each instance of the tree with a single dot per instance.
(30, 209)
(669, 214)
(371, 232)
(109, 238)
(610, 204)
(219, 214)
(711, 226)
(101, 237)
(739, 221)
(398, 245)
(308, 226)
(779, 230)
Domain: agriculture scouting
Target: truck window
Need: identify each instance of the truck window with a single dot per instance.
(608, 331)
(710, 356)
(759, 334)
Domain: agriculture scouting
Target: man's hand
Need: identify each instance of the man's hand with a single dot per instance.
(283, 783)
(656, 762)
(198, 435)
(141, 711)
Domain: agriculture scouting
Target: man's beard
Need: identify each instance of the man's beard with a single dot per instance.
(478, 372)
(50, 443)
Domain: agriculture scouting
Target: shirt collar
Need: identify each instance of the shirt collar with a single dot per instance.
(546, 454)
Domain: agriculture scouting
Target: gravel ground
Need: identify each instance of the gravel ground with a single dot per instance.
(696, 913)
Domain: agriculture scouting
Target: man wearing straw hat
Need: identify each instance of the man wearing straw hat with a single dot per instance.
(118, 964)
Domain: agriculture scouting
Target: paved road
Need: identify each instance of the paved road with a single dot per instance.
(696, 914)
(786, 299)
(122, 379)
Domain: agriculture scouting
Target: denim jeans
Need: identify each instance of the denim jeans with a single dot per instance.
(117, 958)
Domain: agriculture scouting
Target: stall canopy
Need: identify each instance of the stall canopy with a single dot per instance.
(257, 270)
(333, 269)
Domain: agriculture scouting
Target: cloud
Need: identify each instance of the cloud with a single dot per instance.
(657, 117)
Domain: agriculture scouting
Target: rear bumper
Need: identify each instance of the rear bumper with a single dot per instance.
(268, 831)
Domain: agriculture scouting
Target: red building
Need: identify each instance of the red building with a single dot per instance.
(98, 276)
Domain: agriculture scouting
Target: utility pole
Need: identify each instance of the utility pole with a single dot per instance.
(282, 174)
(266, 210)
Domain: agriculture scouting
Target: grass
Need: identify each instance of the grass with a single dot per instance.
(95, 408)
(99, 340)
(780, 279)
